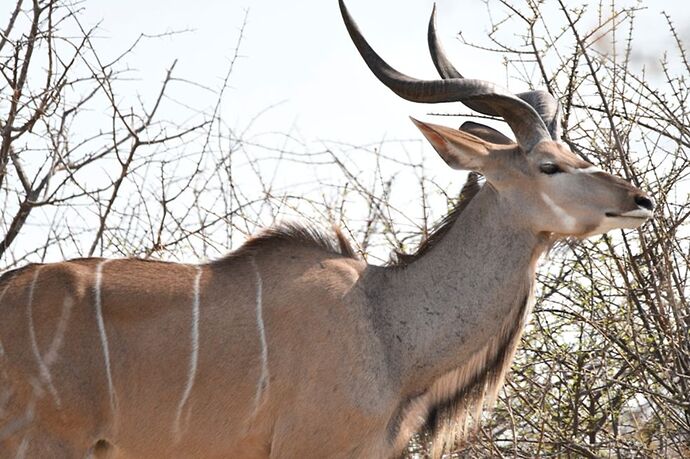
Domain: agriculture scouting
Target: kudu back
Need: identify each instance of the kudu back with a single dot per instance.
(291, 346)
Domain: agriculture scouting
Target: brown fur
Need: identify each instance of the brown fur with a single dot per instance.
(456, 400)
(469, 191)
(447, 422)
(146, 307)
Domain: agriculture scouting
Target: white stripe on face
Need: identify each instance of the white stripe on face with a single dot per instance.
(566, 219)
(585, 170)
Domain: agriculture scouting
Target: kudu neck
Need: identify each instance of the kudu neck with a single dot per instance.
(438, 311)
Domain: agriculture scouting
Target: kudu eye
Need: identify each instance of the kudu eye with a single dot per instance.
(550, 168)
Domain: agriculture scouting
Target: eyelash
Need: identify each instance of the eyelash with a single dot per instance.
(550, 169)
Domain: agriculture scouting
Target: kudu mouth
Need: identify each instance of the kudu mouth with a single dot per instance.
(639, 214)
(633, 218)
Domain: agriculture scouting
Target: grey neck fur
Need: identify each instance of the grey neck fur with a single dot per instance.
(445, 318)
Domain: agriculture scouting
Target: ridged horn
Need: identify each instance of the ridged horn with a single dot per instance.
(548, 108)
(524, 121)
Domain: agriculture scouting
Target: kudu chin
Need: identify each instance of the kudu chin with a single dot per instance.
(292, 346)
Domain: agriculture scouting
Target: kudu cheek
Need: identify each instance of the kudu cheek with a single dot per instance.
(564, 222)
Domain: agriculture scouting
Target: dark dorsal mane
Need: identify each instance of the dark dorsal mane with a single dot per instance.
(296, 234)
(469, 191)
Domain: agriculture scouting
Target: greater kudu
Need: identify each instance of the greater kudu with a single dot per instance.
(291, 346)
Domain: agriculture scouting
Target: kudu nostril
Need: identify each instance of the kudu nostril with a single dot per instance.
(645, 202)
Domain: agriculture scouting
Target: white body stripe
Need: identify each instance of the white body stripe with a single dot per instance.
(55, 345)
(263, 379)
(194, 353)
(2, 295)
(101, 331)
(43, 369)
(4, 291)
(23, 446)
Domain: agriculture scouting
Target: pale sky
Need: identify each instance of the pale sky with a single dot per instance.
(298, 54)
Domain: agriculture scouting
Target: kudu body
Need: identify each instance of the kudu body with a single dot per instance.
(292, 347)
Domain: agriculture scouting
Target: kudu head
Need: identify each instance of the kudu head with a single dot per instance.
(547, 187)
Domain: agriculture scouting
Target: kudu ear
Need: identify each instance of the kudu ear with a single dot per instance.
(487, 133)
(459, 149)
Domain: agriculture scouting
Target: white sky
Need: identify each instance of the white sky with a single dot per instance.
(298, 54)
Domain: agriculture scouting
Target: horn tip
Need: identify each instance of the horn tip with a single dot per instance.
(432, 19)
